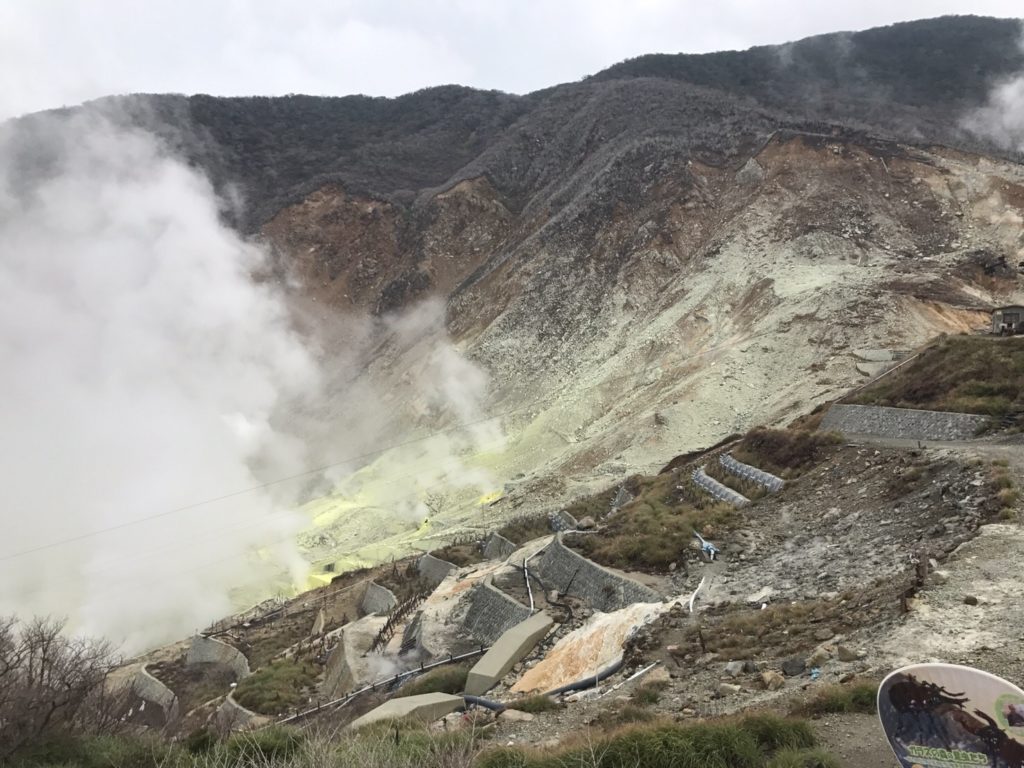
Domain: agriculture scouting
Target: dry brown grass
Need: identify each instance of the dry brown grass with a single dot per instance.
(966, 374)
(787, 453)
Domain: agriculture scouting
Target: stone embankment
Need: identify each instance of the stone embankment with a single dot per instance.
(901, 423)
(572, 574)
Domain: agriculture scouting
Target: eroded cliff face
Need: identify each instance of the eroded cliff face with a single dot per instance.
(675, 301)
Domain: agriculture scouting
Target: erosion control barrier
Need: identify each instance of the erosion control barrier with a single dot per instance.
(719, 491)
(148, 688)
(433, 569)
(498, 547)
(426, 708)
(572, 574)
(562, 521)
(232, 716)
(901, 423)
(492, 612)
(208, 650)
(506, 652)
(753, 474)
(378, 599)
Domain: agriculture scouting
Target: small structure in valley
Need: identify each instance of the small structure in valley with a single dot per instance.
(1008, 321)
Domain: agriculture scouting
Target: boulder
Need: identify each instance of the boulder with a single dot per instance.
(772, 680)
(793, 667)
(515, 716)
(728, 689)
(819, 657)
(734, 668)
(847, 654)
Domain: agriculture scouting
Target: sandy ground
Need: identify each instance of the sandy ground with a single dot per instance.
(857, 740)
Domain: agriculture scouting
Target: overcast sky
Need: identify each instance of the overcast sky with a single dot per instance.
(62, 52)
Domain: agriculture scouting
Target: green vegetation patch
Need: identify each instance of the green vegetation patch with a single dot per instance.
(748, 743)
(965, 374)
(650, 692)
(656, 528)
(277, 687)
(857, 696)
(527, 528)
(535, 704)
(450, 679)
(460, 554)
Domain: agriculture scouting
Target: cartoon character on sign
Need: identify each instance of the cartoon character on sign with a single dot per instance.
(947, 716)
(1014, 714)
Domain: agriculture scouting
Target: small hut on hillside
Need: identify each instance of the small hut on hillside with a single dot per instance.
(1008, 321)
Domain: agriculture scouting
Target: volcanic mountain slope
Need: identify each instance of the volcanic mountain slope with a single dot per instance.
(681, 302)
(646, 261)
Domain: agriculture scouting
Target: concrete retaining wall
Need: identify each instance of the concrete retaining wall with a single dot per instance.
(426, 708)
(562, 521)
(319, 624)
(498, 547)
(491, 612)
(901, 423)
(232, 716)
(506, 652)
(747, 472)
(719, 491)
(572, 574)
(148, 688)
(208, 650)
(433, 569)
(378, 599)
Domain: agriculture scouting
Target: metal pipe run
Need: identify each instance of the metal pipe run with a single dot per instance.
(590, 681)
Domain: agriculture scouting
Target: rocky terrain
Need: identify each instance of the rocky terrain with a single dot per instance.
(873, 555)
(641, 263)
(639, 266)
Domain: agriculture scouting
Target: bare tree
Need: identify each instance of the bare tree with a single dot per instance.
(50, 681)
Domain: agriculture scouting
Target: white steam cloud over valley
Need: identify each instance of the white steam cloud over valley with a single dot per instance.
(151, 361)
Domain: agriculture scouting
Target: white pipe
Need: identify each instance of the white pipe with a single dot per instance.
(634, 676)
(529, 589)
(694, 595)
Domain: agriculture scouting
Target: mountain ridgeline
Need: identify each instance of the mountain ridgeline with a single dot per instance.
(909, 82)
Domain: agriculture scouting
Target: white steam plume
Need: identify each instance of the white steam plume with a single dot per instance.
(1001, 120)
(144, 369)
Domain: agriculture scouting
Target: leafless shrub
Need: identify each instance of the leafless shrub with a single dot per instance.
(50, 682)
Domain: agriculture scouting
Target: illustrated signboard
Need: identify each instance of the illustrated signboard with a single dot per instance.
(948, 716)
